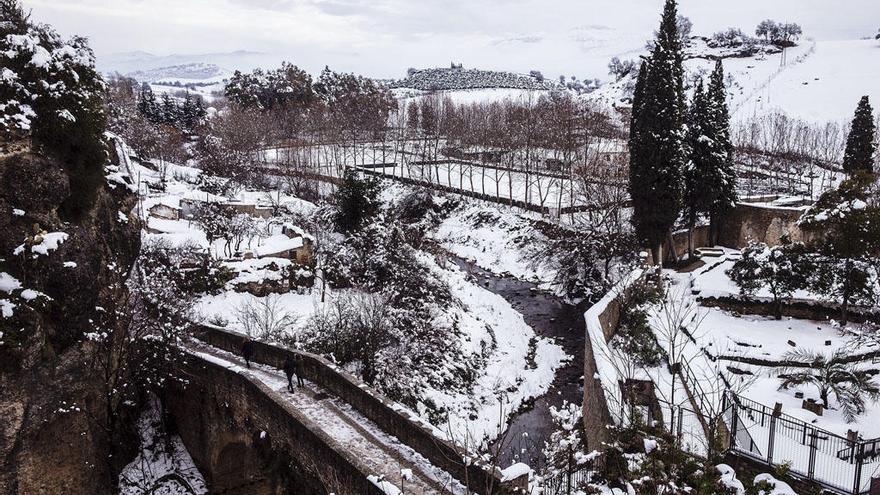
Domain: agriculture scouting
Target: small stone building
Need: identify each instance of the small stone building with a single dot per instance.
(166, 211)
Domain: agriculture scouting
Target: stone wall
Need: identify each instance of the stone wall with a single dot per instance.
(749, 222)
(245, 440)
(605, 315)
(392, 419)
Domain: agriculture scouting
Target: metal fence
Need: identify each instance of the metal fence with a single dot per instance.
(837, 463)
(573, 477)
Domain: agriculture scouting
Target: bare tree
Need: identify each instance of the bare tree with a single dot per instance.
(265, 318)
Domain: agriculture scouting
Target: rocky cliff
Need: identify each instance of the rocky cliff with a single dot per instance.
(58, 279)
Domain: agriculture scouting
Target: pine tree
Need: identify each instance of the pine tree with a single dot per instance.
(356, 201)
(187, 113)
(169, 111)
(860, 145)
(657, 156)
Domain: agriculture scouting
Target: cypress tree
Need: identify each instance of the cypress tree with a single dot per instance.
(658, 154)
(721, 174)
(697, 197)
(860, 146)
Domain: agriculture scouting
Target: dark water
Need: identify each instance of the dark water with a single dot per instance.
(532, 425)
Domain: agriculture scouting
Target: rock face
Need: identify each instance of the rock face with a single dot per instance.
(60, 274)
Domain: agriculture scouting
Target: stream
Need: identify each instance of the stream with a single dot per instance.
(531, 426)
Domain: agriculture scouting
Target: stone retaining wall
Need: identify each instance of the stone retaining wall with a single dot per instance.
(246, 440)
(605, 315)
(390, 417)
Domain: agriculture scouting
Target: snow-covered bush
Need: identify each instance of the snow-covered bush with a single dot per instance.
(846, 225)
(265, 318)
(650, 461)
(634, 335)
(780, 269)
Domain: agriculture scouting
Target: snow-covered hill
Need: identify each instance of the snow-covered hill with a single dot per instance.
(197, 72)
(816, 81)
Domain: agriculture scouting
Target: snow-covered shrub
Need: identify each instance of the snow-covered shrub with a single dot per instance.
(650, 461)
(780, 269)
(634, 335)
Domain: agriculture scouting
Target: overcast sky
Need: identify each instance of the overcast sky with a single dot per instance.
(381, 38)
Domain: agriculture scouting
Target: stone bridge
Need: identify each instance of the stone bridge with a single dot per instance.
(248, 434)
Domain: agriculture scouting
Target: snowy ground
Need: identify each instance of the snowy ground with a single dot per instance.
(723, 334)
(495, 238)
(520, 365)
(162, 466)
(817, 81)
(718, 337)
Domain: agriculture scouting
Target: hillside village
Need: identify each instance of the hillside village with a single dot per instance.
(464, 281)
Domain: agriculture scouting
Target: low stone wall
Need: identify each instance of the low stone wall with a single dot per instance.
(245, 440)
(391, 418)
(602, 320)
(801, 310)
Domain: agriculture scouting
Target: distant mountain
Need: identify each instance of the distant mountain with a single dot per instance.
(139, 61)
(193, 72)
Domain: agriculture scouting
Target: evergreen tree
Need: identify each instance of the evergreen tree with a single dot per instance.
(169, 112)
(697, 198)
(147, 104)
(187, 112)
(657, 153)
(357, 200)
(846, 225)
(860, 145)
(721, 174)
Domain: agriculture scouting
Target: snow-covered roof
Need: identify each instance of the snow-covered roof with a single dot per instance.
(278, 244)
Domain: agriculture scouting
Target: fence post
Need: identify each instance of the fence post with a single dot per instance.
(568, 478)
(734, 423)
(771, 440)
(680, 424)
(814, 437)
(860, 460)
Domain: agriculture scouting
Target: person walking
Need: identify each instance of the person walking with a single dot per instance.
(298, 369)
(289, 368)
(247, 351)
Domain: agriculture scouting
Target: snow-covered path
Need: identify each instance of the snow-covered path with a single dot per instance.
(385, 455)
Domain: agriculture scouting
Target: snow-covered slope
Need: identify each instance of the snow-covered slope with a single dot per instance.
(816, 81)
